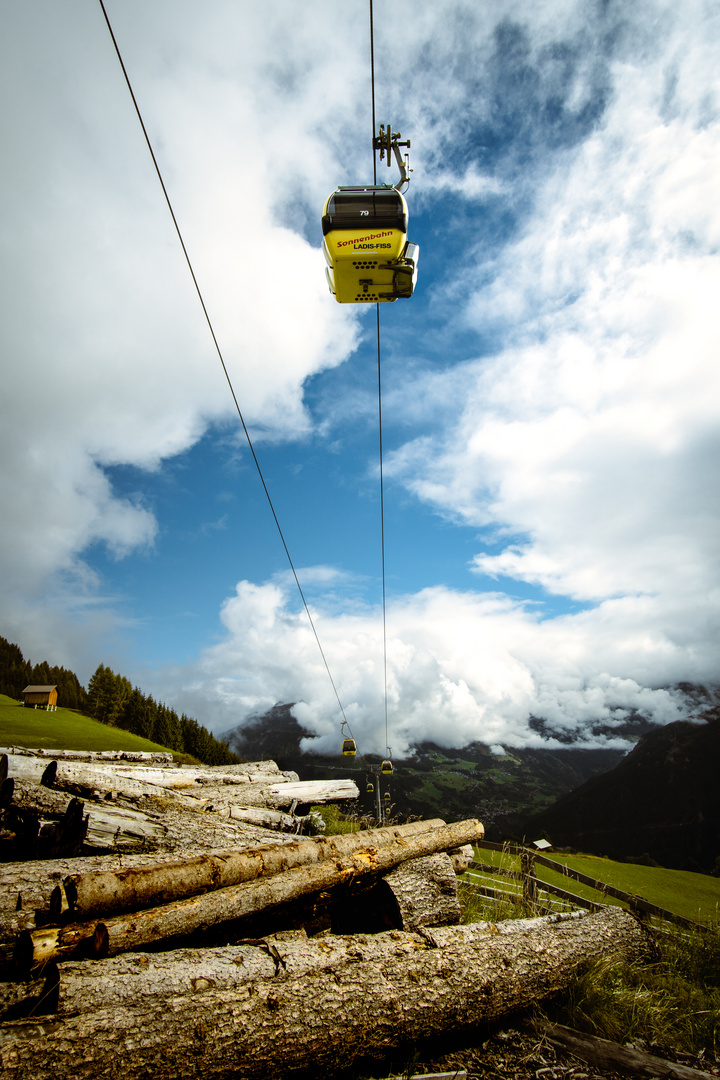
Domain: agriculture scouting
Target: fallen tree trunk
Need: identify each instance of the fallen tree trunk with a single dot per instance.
(221, 1026)
(131, 977)
(611, 1055)
(99, 894)
(131, 931)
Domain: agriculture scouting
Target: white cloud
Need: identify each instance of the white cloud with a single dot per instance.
(588, 447)
(108, 358)
(461, 667)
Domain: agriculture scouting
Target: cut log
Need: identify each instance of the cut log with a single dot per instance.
(98, 894)
(267, 819)
(86, 778)
(163, 774)
(119, 828)
(417, 986)
(176, 920)
(131, 977)
(195, 787)
(208, 834)
(256, 771)
(605, 1054)
(92, 755)
(30, 884)
(425, 891)
(282, 796)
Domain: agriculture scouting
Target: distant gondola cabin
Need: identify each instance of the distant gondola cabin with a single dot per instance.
(369, 258)
(40, 697)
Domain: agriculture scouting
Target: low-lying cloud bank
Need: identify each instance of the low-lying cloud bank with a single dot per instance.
(461, 667)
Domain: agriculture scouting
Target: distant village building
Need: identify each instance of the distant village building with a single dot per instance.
(43, 697)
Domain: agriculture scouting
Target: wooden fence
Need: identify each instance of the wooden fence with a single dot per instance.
(545, 898)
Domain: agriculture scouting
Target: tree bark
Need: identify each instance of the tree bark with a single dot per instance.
(106, 893)
(131, 931)
(338, 1013)
(101, 773)
(425, 891)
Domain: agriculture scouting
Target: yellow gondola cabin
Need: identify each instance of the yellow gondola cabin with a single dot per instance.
(369, 258)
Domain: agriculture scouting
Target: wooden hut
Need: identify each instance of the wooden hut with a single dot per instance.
(42, 697)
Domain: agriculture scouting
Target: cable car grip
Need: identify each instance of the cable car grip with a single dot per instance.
(388, 142)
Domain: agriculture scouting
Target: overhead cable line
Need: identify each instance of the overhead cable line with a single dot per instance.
(219, 353)
(377, 325)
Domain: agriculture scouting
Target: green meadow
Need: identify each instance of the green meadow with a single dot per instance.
(63, 729)
(694, 896)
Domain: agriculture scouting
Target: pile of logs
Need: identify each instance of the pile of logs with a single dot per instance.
(130, 805)
(255, 957)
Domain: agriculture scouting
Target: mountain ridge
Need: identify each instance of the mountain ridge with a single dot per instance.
(661, 803)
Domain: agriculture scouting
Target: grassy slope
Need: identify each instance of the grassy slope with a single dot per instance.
(63, 729)
(695, 896)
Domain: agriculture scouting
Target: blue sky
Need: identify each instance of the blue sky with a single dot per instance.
(550, 393)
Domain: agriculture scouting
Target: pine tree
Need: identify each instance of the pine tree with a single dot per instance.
(101, 691)
(15, 671)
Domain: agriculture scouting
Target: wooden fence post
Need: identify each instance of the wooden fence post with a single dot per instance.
(530, 887)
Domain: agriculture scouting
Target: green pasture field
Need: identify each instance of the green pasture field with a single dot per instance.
(694, 896)
(63, 729)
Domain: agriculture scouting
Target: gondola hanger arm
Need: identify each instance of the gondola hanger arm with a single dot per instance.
(388, 143)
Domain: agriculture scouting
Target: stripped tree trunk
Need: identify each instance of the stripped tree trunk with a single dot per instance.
(280, 796)
(99, 894)
(264, 818)
(216, 1025)
(105, 775)
(143, 756)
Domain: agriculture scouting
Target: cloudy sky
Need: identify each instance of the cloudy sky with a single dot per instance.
(551, 397)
